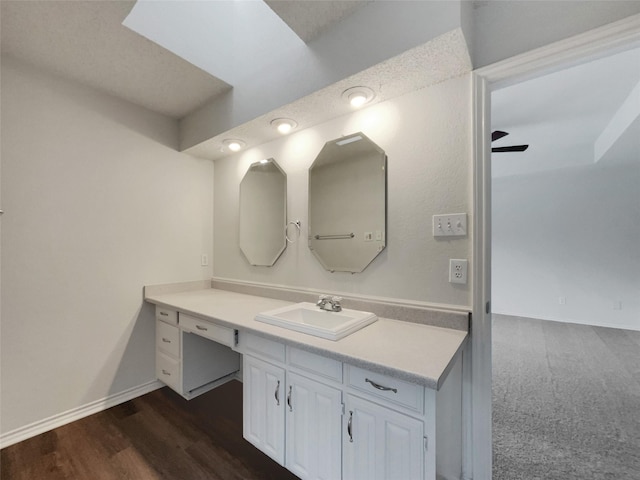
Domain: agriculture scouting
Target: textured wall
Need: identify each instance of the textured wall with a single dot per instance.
(426, 135)
(96, 206)
(571, 233)
(502, 29)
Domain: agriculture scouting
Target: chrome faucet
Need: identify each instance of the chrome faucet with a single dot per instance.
(330, 304)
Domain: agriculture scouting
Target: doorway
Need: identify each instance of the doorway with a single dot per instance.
(565, 272)
(598, 43)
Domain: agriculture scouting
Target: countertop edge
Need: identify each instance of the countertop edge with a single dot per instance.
(429, 382)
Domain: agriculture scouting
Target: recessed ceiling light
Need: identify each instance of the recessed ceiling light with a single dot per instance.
(284, 125)
(358, 96)
(264, 160)
(233, 144)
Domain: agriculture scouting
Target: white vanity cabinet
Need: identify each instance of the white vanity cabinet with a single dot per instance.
(291, 411)
(385, 427)
(313, 421)
(263, 407)
(323, 419)
(193, 363)
(381, 443)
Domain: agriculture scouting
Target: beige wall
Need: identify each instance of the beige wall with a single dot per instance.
(97, 204)
(426, 135)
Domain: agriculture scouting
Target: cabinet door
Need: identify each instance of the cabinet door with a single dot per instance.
(381, 443)
(263, 407)
(314, 420)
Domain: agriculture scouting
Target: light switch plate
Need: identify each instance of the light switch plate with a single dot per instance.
(450, 225)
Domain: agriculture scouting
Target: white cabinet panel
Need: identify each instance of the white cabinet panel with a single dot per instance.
(390, 389)
(383, 444)
(168, 370)
(168, 339)
(263, 407)
(217, 333)
(313, 436)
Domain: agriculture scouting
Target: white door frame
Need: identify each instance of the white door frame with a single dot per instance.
(617, 36)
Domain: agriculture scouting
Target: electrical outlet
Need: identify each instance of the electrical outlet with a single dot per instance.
(458, 270)
(204, 260)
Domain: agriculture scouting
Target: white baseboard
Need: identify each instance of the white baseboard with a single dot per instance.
(55, 421)
(583, 321)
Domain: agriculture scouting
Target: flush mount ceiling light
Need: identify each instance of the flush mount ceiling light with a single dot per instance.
(358, 96)
(284, 125)
(233, 144)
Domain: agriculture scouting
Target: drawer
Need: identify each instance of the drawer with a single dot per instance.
(168, 339)
(314, 363)
(390, 389)
(167, 315)
(217, 333)
(262, 347)
(168, 371)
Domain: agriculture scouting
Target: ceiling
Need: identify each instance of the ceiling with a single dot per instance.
(85, 41)
(565, 116)
(92, 42)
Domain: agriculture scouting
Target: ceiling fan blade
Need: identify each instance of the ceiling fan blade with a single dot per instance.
(513, 148)
(497, 135)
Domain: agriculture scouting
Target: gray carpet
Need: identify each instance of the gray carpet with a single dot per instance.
(566, 401)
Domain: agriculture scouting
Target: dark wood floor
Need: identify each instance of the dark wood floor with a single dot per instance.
(157, 436)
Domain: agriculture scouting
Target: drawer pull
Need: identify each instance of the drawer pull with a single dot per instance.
(165, 372)
(289, 399)
(166, 340)
(200, 327)
(277, 393)
(164, 314)
(349, 426)
(381, 387)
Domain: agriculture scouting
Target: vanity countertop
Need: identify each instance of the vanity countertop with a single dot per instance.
(414, 352)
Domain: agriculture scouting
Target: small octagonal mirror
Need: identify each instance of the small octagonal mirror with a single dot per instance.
(347, 203)
(263, 213)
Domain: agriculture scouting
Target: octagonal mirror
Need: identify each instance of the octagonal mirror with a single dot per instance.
(347, 203)
(263, 213)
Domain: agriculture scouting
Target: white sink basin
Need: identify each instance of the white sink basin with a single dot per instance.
(308, 318)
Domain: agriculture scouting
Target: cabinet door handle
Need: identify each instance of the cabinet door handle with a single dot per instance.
(277, 394)
(166, 340)
(289, 399)
(164, 314)
(350, 425)
(200, 327)
(381, 387)
(164, 372)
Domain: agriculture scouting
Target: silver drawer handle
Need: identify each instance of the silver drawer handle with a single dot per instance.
(277, 394)
(200, 327)
(166, 340)
(289, 399)
(381, 387)
(349, 426)
(164, 314)
(165, 372)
